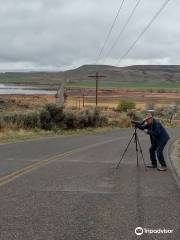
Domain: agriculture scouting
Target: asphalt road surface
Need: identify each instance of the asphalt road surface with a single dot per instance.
(68, 188)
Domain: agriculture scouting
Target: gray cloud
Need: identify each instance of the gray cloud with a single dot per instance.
(60, 34)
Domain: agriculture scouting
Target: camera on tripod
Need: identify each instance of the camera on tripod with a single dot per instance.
(137, 123)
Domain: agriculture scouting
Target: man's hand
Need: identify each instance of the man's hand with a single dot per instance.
(147, 131)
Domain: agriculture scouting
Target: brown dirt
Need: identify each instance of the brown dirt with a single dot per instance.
(11, 103)
(125, 94)
(110, 98)
(107, 99)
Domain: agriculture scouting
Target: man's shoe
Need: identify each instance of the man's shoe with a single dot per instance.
(151, 166)
(162, 168)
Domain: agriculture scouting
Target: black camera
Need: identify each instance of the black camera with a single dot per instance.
(137, 124)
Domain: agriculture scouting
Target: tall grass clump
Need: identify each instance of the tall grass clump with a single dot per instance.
(20, 120)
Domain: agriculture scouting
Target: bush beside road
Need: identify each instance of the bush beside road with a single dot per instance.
(51, 120)
(52, 117)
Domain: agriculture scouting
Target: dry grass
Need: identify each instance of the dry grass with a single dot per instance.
(14, 103)
(110, 103)
(32, 103)
(10, 136)
(11, 103)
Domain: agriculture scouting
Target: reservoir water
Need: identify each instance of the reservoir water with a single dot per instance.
(24, 90)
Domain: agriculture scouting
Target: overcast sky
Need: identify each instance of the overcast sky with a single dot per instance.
(62, 34)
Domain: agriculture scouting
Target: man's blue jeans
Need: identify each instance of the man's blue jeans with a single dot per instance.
(157, 149)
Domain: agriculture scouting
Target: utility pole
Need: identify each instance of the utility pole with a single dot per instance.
(83, 100)
(97, 77)
(79, 104)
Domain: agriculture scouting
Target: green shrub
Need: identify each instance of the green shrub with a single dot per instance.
(91, 118)
(13, 120)
(2, 123)
(31, 120)
(70, 121)
(124, 106)
(83, 119)
(17, 121)
(56, 112)
(45, 120)
(98, 119)
(51, 116)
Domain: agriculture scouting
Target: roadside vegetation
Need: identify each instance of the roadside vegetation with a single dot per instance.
(32, 120)
(52, 117)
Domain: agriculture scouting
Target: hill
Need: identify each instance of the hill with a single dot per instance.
(135, 74)
(143, 73)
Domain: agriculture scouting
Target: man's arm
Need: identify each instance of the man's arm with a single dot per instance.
(156, 130)
(141, 126)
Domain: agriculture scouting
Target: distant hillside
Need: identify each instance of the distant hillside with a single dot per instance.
(147, 73)
(140, 73)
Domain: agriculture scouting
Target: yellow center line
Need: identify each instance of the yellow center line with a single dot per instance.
(21, 172)
(12, 176)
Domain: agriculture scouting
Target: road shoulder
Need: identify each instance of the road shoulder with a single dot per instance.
(175, 157)
(10, 137)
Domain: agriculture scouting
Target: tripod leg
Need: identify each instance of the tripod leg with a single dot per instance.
(137, 150)
(125, 151)
(141, 153)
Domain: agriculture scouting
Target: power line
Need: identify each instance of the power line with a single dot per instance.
(124, 27)
(110, 30)
(144, 31)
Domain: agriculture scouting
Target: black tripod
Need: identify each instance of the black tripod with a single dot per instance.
(138, 148)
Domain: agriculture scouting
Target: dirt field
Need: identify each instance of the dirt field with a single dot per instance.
(106, 99)
(11, 103)
(110, 98)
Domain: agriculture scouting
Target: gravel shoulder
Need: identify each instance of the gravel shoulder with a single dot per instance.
(175, 156)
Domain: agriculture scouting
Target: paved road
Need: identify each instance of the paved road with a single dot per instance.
(68, 188)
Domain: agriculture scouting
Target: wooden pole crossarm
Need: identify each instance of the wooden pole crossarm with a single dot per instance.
(97, 77)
